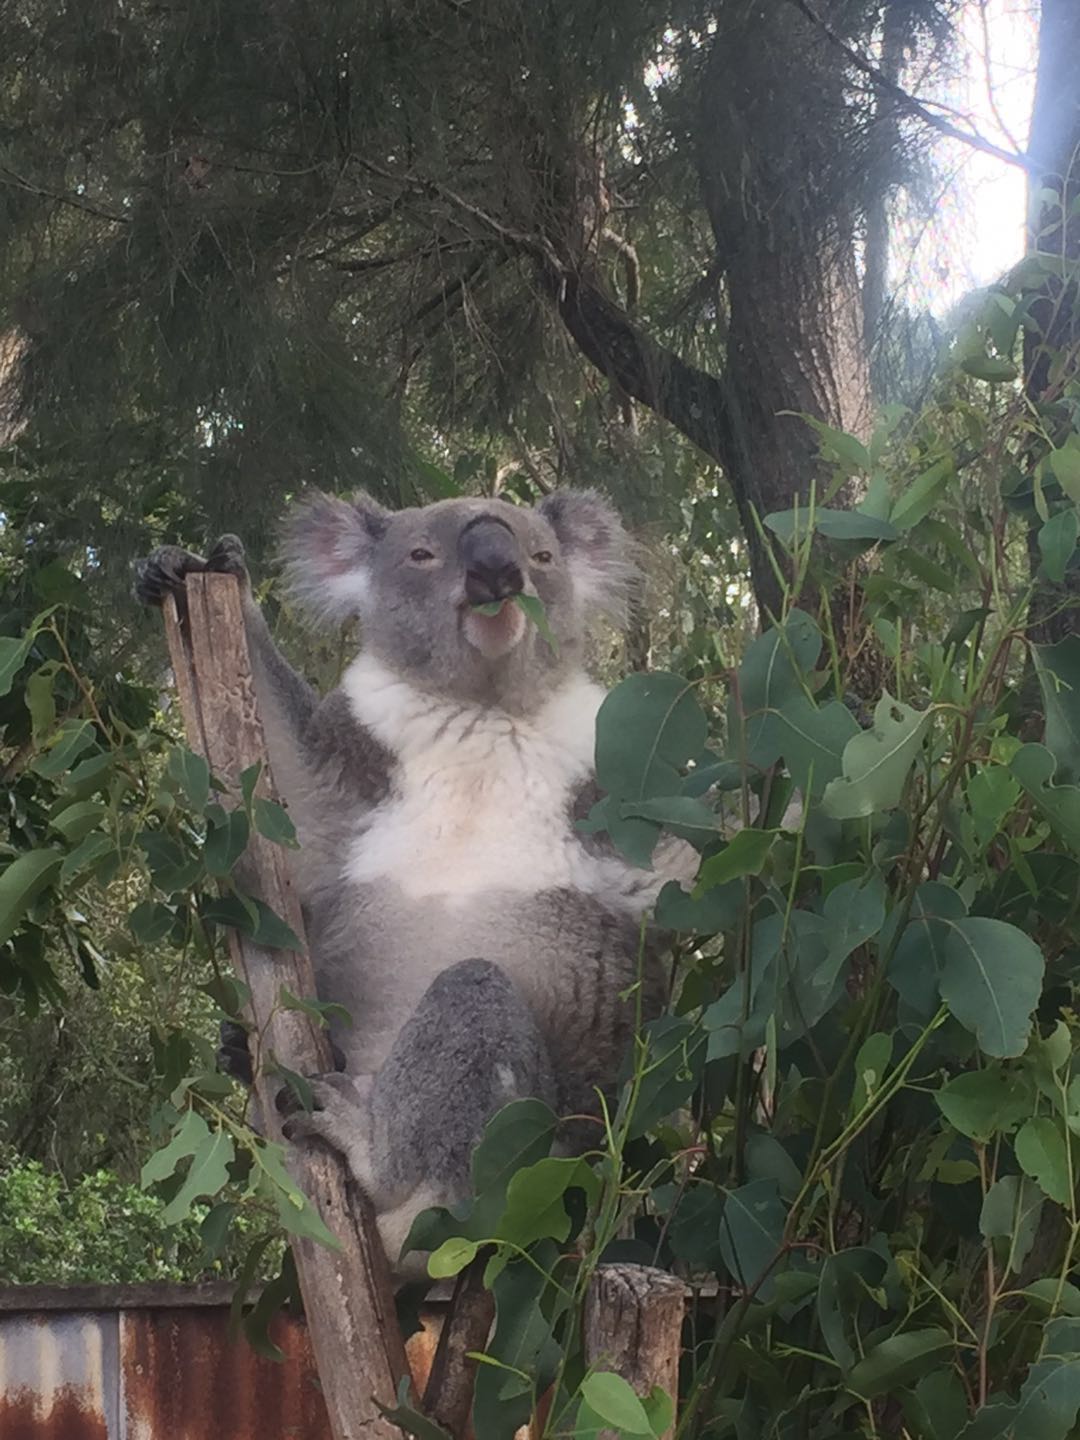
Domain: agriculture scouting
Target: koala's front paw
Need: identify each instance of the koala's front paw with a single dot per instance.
(168, 567)
(340, 1118)
(164, 572)
(228, 558)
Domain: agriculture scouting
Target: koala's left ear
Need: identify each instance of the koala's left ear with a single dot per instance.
(598, 552)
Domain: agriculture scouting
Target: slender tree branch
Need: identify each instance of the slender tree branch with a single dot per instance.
(911, 103)
(17, 182)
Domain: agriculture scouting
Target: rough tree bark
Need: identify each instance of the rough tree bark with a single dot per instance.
(766, 152)
(1051, 354)
(633, 1326)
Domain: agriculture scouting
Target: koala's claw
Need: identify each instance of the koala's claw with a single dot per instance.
(165, 571)
(228, 558)
(339, 1117)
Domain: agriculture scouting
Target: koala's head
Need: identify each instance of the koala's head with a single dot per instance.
(417, 577)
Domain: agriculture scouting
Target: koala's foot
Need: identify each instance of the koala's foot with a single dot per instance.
(165, 571)
(340, 1118)
(234, 1056)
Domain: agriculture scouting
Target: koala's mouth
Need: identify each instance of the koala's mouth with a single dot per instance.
(494, 635)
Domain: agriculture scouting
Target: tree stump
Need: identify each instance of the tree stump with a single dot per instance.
(633, 1326)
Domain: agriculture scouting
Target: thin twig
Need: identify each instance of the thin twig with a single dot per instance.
(911, 103)
(9, 177)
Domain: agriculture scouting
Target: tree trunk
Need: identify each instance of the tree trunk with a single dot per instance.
(782, 211)
(876, 248)
(1051, 353)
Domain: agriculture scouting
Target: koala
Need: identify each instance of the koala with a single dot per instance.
(485, 948)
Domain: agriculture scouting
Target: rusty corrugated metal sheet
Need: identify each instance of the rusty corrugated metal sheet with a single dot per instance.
(182, 1378)
(58, 1377)
(165, 1371)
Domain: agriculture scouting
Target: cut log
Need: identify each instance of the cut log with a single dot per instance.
(633, 1326)
(347, 1293)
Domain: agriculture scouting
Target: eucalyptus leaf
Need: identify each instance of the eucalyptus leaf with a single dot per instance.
(1042, 1152)
(523, 1340)
(922, 494)
(1010, 1212)
(985, 1103)
(226, 841)
(895, 1361)
(192, 774)
(1058, 669)
(21, 883)
(72, 739)
(648, 730)
(13, 653)
(717, 909)
(833, 524)
(1034, 766)
(745, 854)
(76, 821)
(1057, 542)
(273, 822)
(876, 763)
(611, 1398)
(751, 1234)
(991, 368)
(991, 980)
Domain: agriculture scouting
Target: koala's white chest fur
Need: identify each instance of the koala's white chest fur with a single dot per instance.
(480, 799)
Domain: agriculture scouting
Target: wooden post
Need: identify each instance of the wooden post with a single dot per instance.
(633, 1326)
(347, 1293)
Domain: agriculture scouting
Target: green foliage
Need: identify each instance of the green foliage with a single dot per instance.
(120, 850)
(861, 1117)
(855, 1124)
(100, 1230)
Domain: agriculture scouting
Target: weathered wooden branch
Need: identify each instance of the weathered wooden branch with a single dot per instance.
(449, 1390)
(347, 1293)
(633, 1326)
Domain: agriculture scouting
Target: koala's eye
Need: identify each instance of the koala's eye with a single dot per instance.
(420, 555)
(543, 557)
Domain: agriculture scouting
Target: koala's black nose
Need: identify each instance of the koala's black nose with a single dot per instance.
(489, 553)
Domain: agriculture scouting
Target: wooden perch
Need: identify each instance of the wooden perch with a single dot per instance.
(633, 1326)
(347, 1293)
(449, 1390)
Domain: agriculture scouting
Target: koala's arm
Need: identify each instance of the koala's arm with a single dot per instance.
(324, 763)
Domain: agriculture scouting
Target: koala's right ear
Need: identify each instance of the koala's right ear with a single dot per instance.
(327, 545)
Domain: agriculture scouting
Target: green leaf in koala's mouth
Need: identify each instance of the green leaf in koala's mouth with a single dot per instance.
(532, 607)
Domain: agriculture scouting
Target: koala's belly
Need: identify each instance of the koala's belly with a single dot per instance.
(380, 949)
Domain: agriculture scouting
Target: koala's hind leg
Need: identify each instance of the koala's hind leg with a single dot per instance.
(471, 1047)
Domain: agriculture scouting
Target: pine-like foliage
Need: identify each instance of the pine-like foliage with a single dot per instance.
(249, 247)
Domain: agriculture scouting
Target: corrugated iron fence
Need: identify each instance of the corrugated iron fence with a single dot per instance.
(154, 1362)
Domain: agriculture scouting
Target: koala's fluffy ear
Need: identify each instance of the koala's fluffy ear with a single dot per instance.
(598, 552)
(327, 546)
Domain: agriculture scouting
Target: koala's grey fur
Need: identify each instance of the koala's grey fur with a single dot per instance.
(483, 947)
